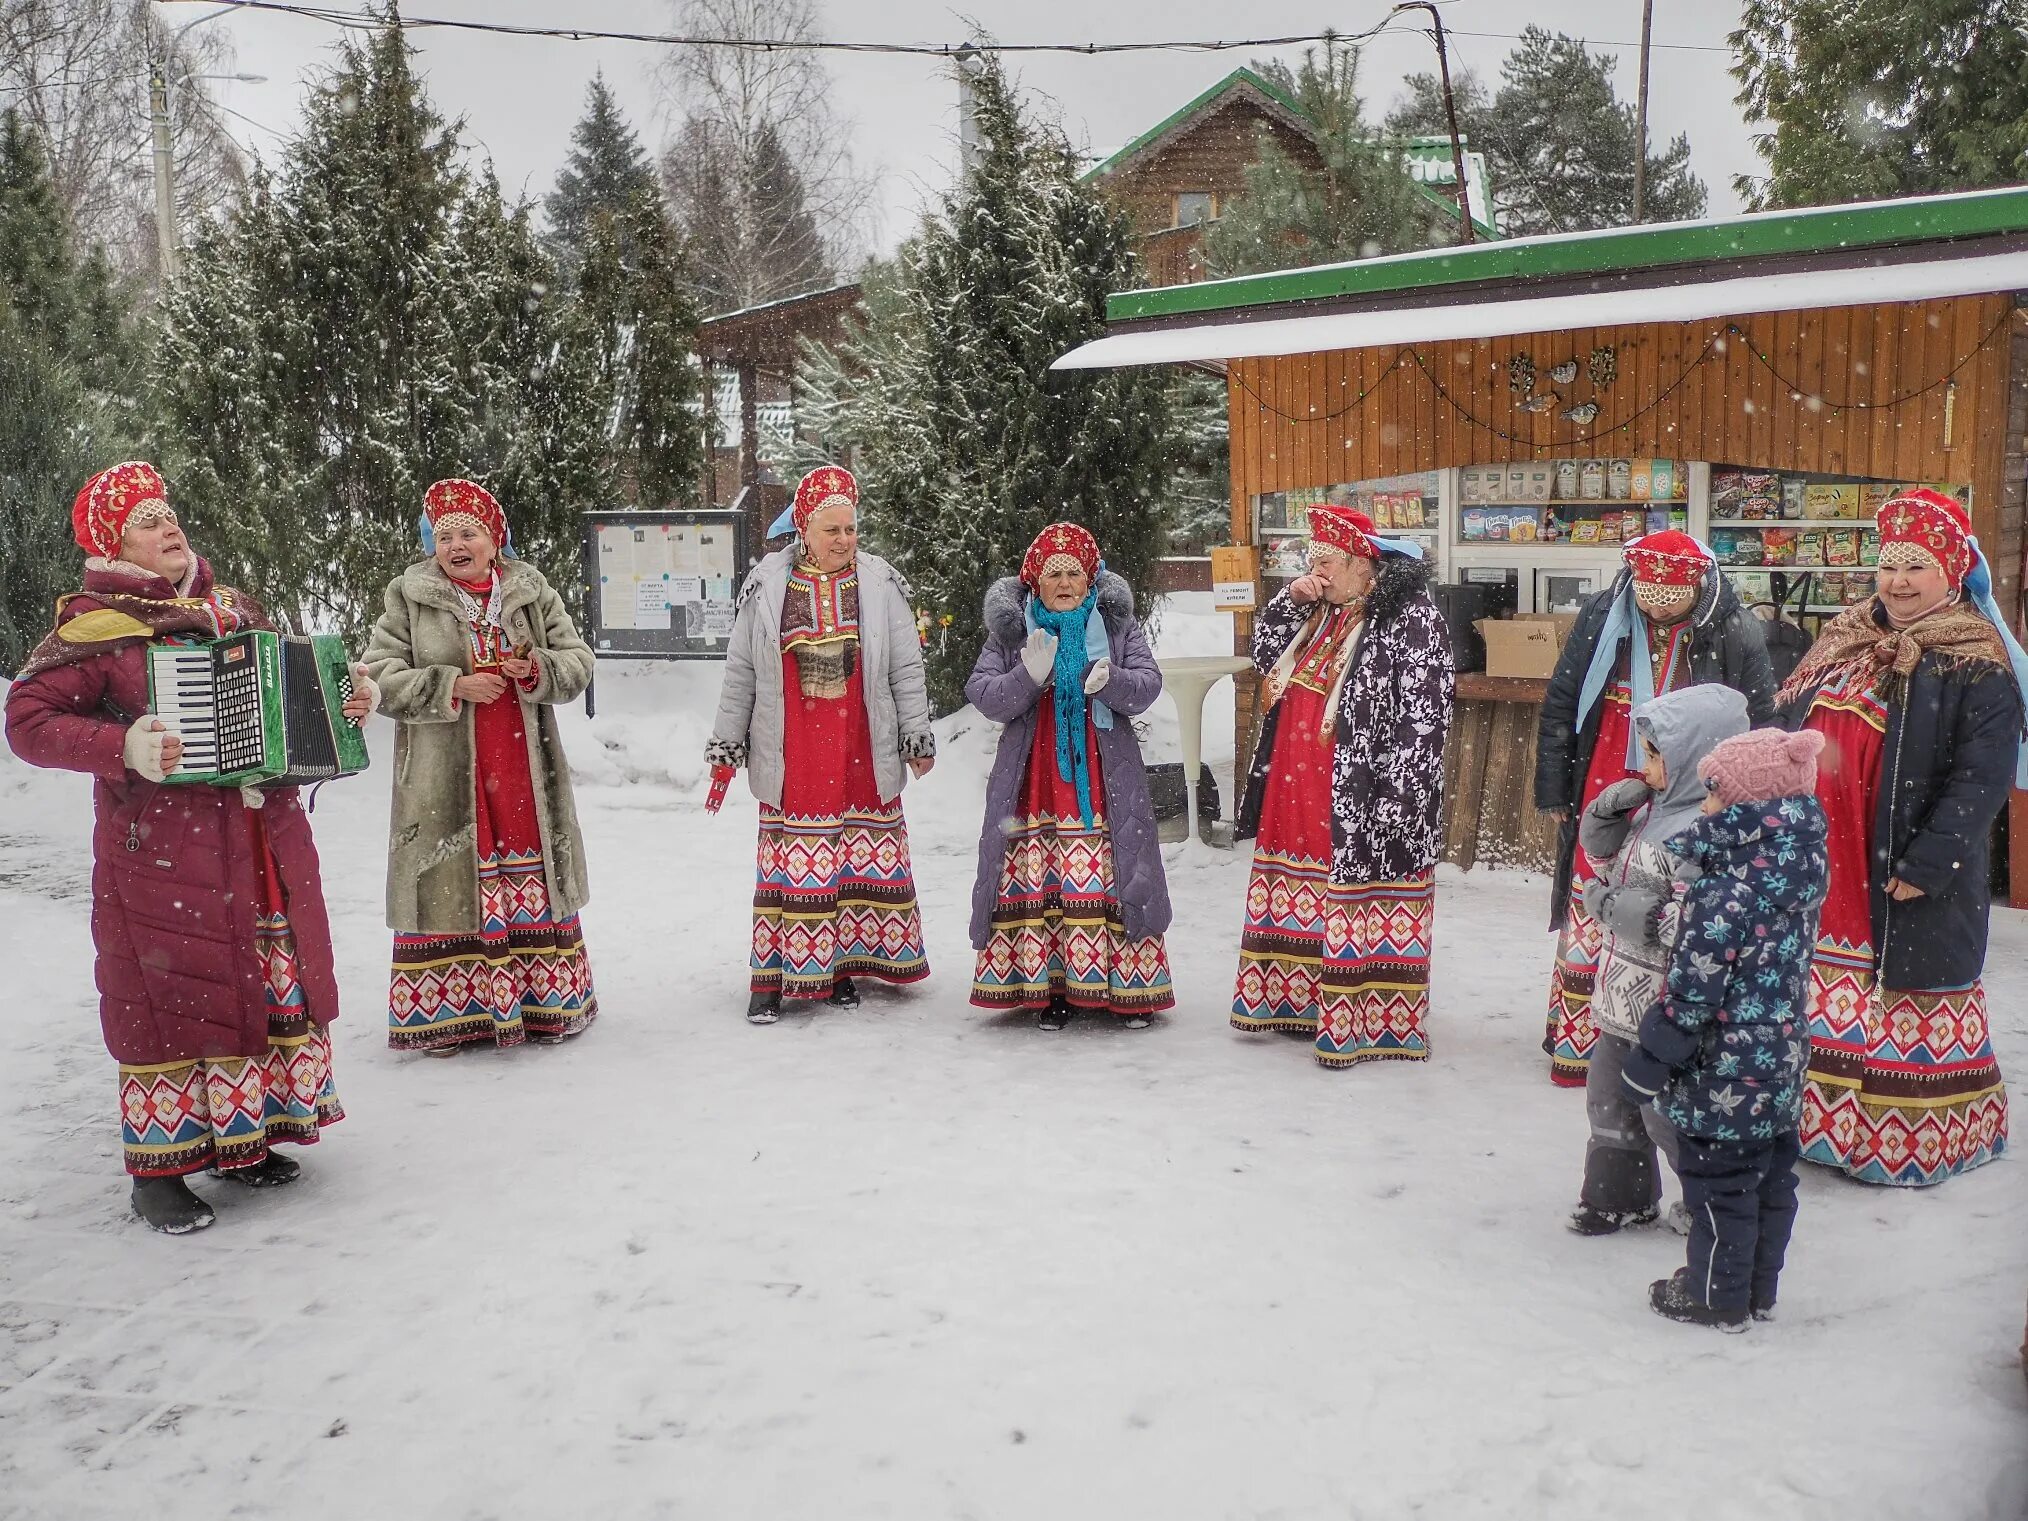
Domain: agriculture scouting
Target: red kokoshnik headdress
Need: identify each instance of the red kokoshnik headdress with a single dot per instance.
(1060, 541)
(112, 499)
(1669, 558)
(1343, 528)
(1923, 526)
(826, 486)
(457, 501)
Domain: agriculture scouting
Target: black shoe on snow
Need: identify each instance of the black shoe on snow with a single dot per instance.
(1587, 1221)
(1763, 1311)
(764, 1008)
(271, 1171)
(442, 1053)
(1055, 1017)
(843, 994)
(1671, 1298)
(168, 1206)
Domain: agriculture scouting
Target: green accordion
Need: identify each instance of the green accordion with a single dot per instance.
(257, 707)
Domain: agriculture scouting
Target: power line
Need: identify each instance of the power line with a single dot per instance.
(361, 21)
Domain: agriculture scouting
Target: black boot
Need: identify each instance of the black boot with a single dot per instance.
(1055, 1017)
(1620, 1189)
(844, 995)
(168, 1205)
(272, 1171)
(764, 1008)
(1671, 1298)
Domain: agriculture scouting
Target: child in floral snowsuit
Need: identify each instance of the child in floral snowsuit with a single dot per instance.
(1722, 1053)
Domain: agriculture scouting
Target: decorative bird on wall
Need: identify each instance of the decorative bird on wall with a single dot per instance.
(1564, 373)
(1582, 413)
(1540, 403)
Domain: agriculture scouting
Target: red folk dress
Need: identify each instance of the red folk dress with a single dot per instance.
(834, 890)
(1570, 1033)
(1058, 931)
(525, 975)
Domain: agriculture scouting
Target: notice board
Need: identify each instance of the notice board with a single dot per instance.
(660, 585)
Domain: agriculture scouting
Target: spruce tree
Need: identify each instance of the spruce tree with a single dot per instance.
(967, 443)
(374, 319)
(607, 171)
(66, 375)
(1359, 204)
(1865, 99)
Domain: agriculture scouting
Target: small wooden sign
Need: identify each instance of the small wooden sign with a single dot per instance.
(1235, 570)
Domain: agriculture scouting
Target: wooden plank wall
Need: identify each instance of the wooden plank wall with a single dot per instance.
(1297, 421)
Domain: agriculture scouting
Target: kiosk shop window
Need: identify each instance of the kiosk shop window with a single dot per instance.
(1401, 506)
(1585, 502)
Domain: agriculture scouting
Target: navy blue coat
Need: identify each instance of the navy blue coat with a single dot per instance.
(1723, 1050)
(1946, 769)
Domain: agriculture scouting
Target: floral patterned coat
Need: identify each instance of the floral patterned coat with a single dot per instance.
(1394, 715)
(1722, 1051)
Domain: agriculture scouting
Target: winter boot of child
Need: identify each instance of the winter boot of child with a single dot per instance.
(168, 1206)
(1055, 1017)
(1671, 1298)
(1763, 1312)
(1619, 1190)
(272, 1171)
(764, 1008)
(844, 994)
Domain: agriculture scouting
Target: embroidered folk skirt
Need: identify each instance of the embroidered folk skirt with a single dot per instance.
(834, 891)
(1903, 1086)
(1057, 926)
(1346, 963)
(523, 974)
(1571, 1033)
(225, 1112)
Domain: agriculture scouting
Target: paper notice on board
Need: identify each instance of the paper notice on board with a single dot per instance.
(682, 552)
(714, 551)
(651, 603)
(616, 601)
(717, 618)
(684, 589)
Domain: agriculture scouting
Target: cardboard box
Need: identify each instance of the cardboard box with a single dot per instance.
(1526, 644)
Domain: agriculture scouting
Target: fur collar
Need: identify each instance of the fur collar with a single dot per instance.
(424, 583)
(1397, 581)
(1006, 607)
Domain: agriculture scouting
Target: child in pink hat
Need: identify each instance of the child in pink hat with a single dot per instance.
(1722, 1052)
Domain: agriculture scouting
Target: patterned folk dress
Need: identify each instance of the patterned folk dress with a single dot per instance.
(525, 974)
(1345, 963)
(1570, 1033)
(834, 892)
(1903, 1086)
(1058, 930)
(225, 1112)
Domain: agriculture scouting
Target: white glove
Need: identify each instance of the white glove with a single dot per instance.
(1096, 678)
(252, 797)
(1038, 655)
(142, 749)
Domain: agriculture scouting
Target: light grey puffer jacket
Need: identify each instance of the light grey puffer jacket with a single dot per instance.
(748, 730)
(1634, 896)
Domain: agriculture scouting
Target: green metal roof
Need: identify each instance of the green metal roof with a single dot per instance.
(1824, 229)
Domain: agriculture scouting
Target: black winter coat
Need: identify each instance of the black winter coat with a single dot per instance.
(1946, 768)
(1387, 758)
(1725, 646)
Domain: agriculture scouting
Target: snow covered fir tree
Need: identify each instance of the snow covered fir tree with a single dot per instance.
(375, 317)
(967, 443)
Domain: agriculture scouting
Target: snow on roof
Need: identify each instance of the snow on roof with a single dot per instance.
(1792, 290)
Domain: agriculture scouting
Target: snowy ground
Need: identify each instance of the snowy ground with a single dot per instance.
(913, 1262)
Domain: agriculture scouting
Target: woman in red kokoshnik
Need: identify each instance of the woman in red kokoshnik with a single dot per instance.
(1917, 692)
(485, 865)
(214, 952)
(826, 707)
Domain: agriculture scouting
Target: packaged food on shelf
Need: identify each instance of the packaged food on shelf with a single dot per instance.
(1727, 487)
(1471, 484)
(1656, 519)
(1591, 480)
(1566, 480)
(1619, 479)
(1632, 525)
(1472, 524)
(1810, 547)
(1857, 589)
(1823, 503)
(1541, 483)
(1792, 496)
(1760, 509)
(1778, 546)
(1669, 480)
(1873, 496)
(1642, 487)
(1760, 483)
(1522, 527)
(1584, 531)
(1869, 546)
(1517, 484)
(1841, 546)
(1752, 586)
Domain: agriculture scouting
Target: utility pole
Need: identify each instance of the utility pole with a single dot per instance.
(1641, 116)
(1450, 114)
(971, 148)
(165, 171)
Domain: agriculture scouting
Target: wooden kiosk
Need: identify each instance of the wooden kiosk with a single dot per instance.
(1523, 407)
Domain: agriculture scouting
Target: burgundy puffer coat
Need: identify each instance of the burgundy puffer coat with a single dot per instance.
(175, 879)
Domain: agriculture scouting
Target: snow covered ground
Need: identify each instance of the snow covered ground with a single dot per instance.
(914, 1262)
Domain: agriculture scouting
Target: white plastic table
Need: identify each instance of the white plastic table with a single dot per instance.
(1187, 678)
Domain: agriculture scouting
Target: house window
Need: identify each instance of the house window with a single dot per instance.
(1194, 206)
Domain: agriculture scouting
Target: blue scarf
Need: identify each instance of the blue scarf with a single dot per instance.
(1080, 640)
(1979, 588)
(1624, 620)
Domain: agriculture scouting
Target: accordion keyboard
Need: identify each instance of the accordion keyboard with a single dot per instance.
(183, 689)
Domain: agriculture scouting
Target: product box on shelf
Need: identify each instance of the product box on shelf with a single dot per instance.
(1727, 487)
(1584, 531)
(1830, 503)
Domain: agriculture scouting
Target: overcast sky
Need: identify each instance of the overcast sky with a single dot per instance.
(520, 96)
